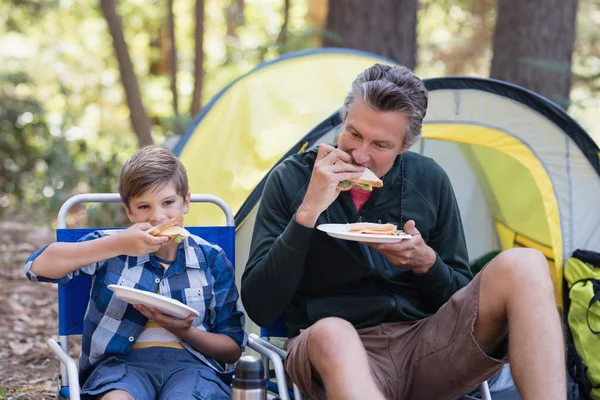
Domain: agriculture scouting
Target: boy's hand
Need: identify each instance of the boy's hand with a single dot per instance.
(135, 241)
(174, 325)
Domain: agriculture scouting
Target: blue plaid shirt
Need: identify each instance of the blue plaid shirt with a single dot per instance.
(201, 277)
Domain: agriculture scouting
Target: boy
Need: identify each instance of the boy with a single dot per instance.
(136, 352)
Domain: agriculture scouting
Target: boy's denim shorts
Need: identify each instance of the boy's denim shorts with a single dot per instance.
(156, 373)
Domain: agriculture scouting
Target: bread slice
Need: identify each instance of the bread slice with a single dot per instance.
(158, 228)
(372, 228)
(367, 181)
(175, 233)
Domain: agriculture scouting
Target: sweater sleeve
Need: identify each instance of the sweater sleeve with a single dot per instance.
(278, 252)
(450, 271)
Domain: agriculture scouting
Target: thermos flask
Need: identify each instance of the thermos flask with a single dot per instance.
(249, 381)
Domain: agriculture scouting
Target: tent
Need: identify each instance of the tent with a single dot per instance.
(524, 172)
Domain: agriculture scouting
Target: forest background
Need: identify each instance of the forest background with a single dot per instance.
(85, 83)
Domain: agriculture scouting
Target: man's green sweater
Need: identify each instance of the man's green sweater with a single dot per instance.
(306, 275)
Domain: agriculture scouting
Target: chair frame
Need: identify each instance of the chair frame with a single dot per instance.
(69, 376)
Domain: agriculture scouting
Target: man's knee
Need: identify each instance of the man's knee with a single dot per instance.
(330, 339)
(520, 268)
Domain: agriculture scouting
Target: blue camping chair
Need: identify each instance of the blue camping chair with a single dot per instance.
(74, 296)
(270, 352)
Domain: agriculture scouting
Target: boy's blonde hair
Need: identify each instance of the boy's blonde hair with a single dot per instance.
(149, 168)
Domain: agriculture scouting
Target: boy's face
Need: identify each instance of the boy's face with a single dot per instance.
(157, 205)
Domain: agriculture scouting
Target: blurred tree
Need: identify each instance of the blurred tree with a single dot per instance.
(41, 167)
(587, 48)
(456, 35)
(383, 27)
(283, 32)
(234, 19)
(198, 58)
(139, 119)
(533, 46)
(317, 19)
(173, 62)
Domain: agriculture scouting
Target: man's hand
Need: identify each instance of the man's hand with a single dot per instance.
(135, 241)
(174, 325)
(323, 187)
(410, 253)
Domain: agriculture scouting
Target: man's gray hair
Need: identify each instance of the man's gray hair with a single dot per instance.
(391, 88)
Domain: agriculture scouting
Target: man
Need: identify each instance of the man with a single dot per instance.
(403, 320)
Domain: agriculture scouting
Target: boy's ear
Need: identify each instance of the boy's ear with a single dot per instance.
(186, 203)
(128, 212)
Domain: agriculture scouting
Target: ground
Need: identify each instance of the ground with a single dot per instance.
(28, 310)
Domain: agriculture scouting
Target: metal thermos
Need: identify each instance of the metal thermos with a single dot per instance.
(249, 381)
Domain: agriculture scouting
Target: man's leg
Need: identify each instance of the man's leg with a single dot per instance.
(517, 296)
(337, 354)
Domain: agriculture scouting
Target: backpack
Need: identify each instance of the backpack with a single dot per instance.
(582, 312)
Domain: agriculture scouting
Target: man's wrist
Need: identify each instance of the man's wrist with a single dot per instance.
(428, 265)
(306, 216)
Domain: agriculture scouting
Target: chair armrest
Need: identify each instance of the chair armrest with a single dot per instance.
(265, 343)
(72, 373)
(485, 391)
(257, 344)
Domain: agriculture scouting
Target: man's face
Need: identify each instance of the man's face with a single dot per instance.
(373, 138)
(157, 205)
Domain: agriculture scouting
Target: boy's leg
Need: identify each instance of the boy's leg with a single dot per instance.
(329, 357)
(190, 379)
(116, 395)
(115, 377)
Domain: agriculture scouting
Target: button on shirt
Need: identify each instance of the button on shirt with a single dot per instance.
(201, 277)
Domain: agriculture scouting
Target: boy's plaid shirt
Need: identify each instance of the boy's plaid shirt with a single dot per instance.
(201, 277)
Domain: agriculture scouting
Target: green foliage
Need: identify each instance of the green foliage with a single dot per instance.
(41, 167)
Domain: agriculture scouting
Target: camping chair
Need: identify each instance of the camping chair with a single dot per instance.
(270, 352)
(73, 297)
(275, 354)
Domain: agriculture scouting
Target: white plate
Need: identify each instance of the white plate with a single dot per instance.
(164, 304)
(340, 231)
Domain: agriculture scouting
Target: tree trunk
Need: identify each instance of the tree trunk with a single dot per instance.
(173, 62)
(317, 18)
(283, 32)
(383, 27)
(234, 18)
(137, 113)
(533, 44)
(199, 59)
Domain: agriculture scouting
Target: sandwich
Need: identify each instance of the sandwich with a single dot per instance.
(370, 228)
(170, 229)
(367, 181)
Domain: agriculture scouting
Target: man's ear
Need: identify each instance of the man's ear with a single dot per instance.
(128, 212)
(186, 203)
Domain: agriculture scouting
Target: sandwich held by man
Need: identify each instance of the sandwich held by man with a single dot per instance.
(403, 320)
(367, 181)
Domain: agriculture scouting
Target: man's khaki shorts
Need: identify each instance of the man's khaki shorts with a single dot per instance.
(435, 358)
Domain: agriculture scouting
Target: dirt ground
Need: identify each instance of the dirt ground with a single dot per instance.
(28, 311)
